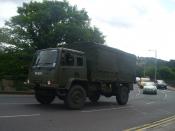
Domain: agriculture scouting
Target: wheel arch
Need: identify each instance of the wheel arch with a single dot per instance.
(75, 81)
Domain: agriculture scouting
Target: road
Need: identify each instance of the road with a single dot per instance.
(23, 113)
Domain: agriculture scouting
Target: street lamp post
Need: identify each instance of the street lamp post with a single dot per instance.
(155, 65)
(155, 75)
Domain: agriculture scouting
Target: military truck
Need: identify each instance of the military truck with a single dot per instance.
(76, 71)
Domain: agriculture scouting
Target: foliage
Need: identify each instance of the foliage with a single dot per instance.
(150, 71)
(46, 24)
(166, 73)
(14, 65)
(139, 71)
(165, 70)
(41, 25)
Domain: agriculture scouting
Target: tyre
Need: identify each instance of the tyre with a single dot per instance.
(76, 97)
(44, 96)
(94, 96)
(122, 95)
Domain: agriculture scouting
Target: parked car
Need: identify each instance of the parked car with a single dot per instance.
(137, 80)
(161, 84)
(142, 82)
(149, 88)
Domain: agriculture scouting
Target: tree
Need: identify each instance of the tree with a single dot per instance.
(45, 24)
(166, 73)
(14, 65)
(149, 71)
(14, 62)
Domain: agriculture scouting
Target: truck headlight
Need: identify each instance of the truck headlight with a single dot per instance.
(49, 82)
(28, 81)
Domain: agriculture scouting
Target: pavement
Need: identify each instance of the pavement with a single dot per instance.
(171, 88)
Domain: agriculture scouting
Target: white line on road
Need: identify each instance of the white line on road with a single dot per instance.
(138, 92)
(152, 102)
(106, 109)
(165, 96)
(13, 116)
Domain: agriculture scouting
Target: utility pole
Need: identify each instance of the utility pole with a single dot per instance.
(155, 75)
(155, 64)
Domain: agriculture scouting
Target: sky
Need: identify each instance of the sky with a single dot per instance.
(140, 27)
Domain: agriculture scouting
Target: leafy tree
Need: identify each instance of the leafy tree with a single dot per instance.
(150, 71)
(14, 62)
(46, 24)
(166, 73)
(14, 65)
(9, 41)
(139, 71)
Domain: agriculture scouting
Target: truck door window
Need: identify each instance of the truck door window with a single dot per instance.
(67, 59)
(79, 61)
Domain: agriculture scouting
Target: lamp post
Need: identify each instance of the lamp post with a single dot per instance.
(155, 64)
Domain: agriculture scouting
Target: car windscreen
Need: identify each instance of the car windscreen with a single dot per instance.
(149, 84)
(160, 82)
(46, 58)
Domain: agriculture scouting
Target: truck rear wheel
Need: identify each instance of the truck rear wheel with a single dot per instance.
(94, 97)
(122, 95)
(44, 96)
(76, 97)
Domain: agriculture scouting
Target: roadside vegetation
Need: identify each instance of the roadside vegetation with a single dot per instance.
(40, 25)
(165, 69)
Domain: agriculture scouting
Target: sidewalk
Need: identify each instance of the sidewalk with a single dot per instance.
(171, 88)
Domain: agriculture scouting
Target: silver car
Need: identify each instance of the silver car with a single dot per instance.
(149, 88)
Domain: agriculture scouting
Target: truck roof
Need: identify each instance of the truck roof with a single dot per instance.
(67, 49)
(72, 50)
(98, 45)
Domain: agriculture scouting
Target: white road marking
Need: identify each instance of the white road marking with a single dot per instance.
(165, 96)
(152, 102)
(168, 91)
(106, 109)
(14, 116)
(138, 92)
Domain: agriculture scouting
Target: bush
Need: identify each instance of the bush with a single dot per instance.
(14, 65)
(166, 73)
(20, 86)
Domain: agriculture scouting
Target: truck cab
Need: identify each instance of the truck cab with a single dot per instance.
(54, 67)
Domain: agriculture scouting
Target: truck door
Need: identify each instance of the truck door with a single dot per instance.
(72, 66)
(80, 66)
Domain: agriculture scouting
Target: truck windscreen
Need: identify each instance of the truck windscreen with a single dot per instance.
(46, 58)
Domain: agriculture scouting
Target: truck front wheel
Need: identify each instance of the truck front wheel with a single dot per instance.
(44, 96)
(76, 97)
(122, 95)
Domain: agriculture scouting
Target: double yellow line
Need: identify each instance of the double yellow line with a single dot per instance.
(162, 122)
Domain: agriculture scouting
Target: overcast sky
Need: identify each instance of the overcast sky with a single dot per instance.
(135, 26)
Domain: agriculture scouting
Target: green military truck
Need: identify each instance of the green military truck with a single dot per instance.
(76, 71)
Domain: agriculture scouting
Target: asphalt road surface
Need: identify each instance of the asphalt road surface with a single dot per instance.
(23, 113)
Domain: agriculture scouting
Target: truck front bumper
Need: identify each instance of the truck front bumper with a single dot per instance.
(44, 86)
